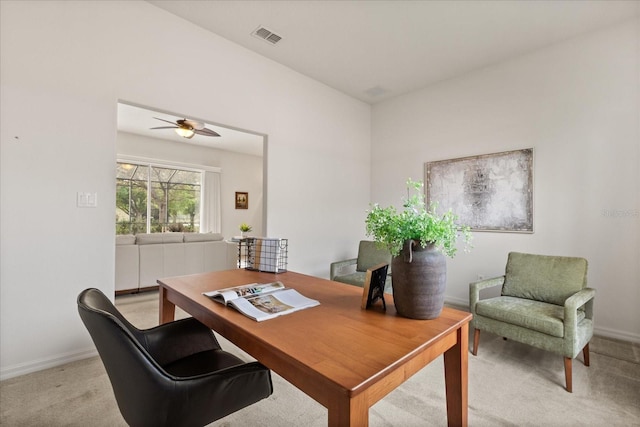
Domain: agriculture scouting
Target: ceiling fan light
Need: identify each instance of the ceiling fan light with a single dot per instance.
(184, 132)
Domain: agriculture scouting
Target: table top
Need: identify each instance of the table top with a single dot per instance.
(336, 346)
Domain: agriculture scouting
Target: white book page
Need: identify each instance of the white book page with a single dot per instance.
(295, 299)
(222, 296)
(228, 294)
(271, 305)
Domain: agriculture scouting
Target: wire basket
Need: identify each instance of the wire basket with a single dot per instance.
(267, 254)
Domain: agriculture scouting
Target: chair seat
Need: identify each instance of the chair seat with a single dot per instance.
(355, 279)
(202, 363)
(539, 316)
(358, 278)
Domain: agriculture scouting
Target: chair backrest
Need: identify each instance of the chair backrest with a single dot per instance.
(135, 376)
(550, 279)
(94, 300)
(370, 255)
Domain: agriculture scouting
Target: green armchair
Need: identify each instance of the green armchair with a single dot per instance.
(544, 302)
(369, 255)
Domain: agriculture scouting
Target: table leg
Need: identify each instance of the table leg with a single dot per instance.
(349, 412)
(456, 371)
(167, 308)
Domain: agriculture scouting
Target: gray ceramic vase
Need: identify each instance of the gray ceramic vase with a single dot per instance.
(419, 281)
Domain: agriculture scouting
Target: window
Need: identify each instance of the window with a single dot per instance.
(157, 198)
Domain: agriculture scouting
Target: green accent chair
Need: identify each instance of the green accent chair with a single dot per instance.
(369, 255)
(544, 302)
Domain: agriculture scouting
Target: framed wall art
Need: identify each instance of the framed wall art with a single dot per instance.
(490, 192)
(242, 200)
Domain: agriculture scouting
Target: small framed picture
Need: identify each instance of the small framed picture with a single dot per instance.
(374, 286)
(242, 200)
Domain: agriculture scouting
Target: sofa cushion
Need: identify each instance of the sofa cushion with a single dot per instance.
(550, 279)
(202, 237)
(370, 255)
(536, 315)
(125, 239)
(157, 238)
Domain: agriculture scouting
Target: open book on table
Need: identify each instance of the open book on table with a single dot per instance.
(262, 301)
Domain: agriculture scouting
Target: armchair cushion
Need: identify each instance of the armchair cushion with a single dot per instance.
(356, 279)
(550, 279)
(534, 315)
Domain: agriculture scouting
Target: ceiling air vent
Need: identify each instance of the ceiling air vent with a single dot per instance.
(266, 35)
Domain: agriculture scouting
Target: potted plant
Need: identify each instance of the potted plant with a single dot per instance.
(244, 228)
(419, 239)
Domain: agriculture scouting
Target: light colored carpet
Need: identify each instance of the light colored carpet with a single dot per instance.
(509, 385)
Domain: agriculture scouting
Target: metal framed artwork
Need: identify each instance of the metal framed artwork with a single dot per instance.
(490, 192)
(242, 200)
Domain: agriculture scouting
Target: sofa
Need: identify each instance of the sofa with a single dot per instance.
(144, 258)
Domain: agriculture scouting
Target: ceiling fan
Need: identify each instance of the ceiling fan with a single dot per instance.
(187, 128)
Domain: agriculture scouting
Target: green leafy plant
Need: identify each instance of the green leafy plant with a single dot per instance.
(245, 227)
(415, 222)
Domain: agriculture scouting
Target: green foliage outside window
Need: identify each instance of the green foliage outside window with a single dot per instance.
(171, 196)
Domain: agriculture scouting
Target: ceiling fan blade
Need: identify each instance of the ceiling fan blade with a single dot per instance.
(166, 127)
(194, 124)
(157, 118)
(206, 132)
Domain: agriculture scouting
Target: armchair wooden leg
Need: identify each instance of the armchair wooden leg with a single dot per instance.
(476, 341)
(585, 354)
(567, 374)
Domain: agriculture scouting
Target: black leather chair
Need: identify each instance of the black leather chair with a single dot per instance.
(175, 374)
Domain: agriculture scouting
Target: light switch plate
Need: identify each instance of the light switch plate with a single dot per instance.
(87, 199)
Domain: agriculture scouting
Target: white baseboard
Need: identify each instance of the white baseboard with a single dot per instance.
(619, 335)
(45, 363)
(460, 303)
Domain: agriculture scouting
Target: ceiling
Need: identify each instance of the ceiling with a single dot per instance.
(375, 50)
(140, 120)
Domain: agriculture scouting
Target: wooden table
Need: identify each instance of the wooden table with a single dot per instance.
(345, 358)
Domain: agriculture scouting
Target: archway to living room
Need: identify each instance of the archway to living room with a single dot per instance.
(195, 184)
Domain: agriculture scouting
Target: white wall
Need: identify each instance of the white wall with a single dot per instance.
(577, 105)
(64, 66)
(240, 172)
